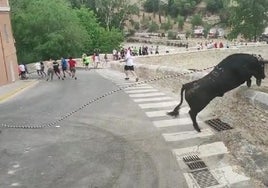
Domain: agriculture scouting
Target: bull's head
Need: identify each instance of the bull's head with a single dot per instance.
(260, 70)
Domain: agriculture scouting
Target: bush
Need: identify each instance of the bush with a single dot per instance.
(136, 25)
(172, 35)
(153, 27)
(166, 26)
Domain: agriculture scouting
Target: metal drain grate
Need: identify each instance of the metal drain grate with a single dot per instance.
(194, 162)
(204, 178)
(191, 158)
(218, 125)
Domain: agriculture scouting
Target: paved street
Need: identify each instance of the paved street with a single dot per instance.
(122, 140)
(111, 143)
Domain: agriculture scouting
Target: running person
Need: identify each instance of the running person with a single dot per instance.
(129, 66)
(56, 68)
(104, 64)
(64, 67)
(50, 71)
(72, 64)
(87, 62)
(42, 71)
(84, 60)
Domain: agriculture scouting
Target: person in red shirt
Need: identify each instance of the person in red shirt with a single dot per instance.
(72, 64)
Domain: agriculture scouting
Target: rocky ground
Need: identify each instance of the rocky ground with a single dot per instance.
(248, 141)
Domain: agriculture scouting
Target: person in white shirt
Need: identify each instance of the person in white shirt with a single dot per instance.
(38, 68)
(50, 70)
(129, 66)
(22, 72)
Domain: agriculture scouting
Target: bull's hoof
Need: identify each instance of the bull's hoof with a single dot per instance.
(174, 114)
(198, 130)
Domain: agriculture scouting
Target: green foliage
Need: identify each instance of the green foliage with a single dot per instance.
(207, 27)
(214, 6)
(196, 20)
(248, 18)
(145, 22)
(153, 27)
(110, 40)
(181, 7)
(172, 35)
(166, 26)
(180, 20)
(151, 5)
(114, 13)
(46, 29)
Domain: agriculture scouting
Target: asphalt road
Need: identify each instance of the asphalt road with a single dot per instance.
(110, 143)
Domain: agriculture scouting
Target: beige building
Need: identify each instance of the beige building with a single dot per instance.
(8, 57)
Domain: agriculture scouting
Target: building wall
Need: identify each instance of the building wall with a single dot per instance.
(8, 57)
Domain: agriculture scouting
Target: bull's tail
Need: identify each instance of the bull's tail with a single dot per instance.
(175, 112)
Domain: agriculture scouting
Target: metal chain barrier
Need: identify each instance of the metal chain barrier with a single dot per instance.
(55, 122)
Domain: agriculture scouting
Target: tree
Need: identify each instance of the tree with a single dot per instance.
(248, 18)
(46, 29)
(214, 5)
(196, 20)
(114, 13)
(180, 20)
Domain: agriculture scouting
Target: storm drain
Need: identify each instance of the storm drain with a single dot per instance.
(200, 171)
(204, 178)
(194, 162)
(218, 125)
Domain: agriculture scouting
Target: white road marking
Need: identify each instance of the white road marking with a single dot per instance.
(215, 148)
(172, 122)
(158, 105)
(161, 113)
(152, 99)
(178, 136)
(147, 94)
(139, 87)
(141, 91)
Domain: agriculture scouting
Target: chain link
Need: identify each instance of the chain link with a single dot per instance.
(55, 122)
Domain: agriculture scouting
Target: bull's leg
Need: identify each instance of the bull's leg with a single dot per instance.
(193, 117)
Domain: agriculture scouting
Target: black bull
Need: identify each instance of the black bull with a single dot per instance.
(230, 73)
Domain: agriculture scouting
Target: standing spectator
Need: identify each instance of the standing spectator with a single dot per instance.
(140, 51)
(115, 54)
(97, 58)
(72, 64)
(156, 50)
(129, 66)
(105, 60)
(50, 71)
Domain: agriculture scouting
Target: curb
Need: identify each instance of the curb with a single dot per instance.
(256, 98)
(17, 90)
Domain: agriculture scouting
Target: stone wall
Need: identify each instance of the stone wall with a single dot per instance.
(152, 66)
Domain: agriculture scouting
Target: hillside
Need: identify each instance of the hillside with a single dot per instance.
(150, 22)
